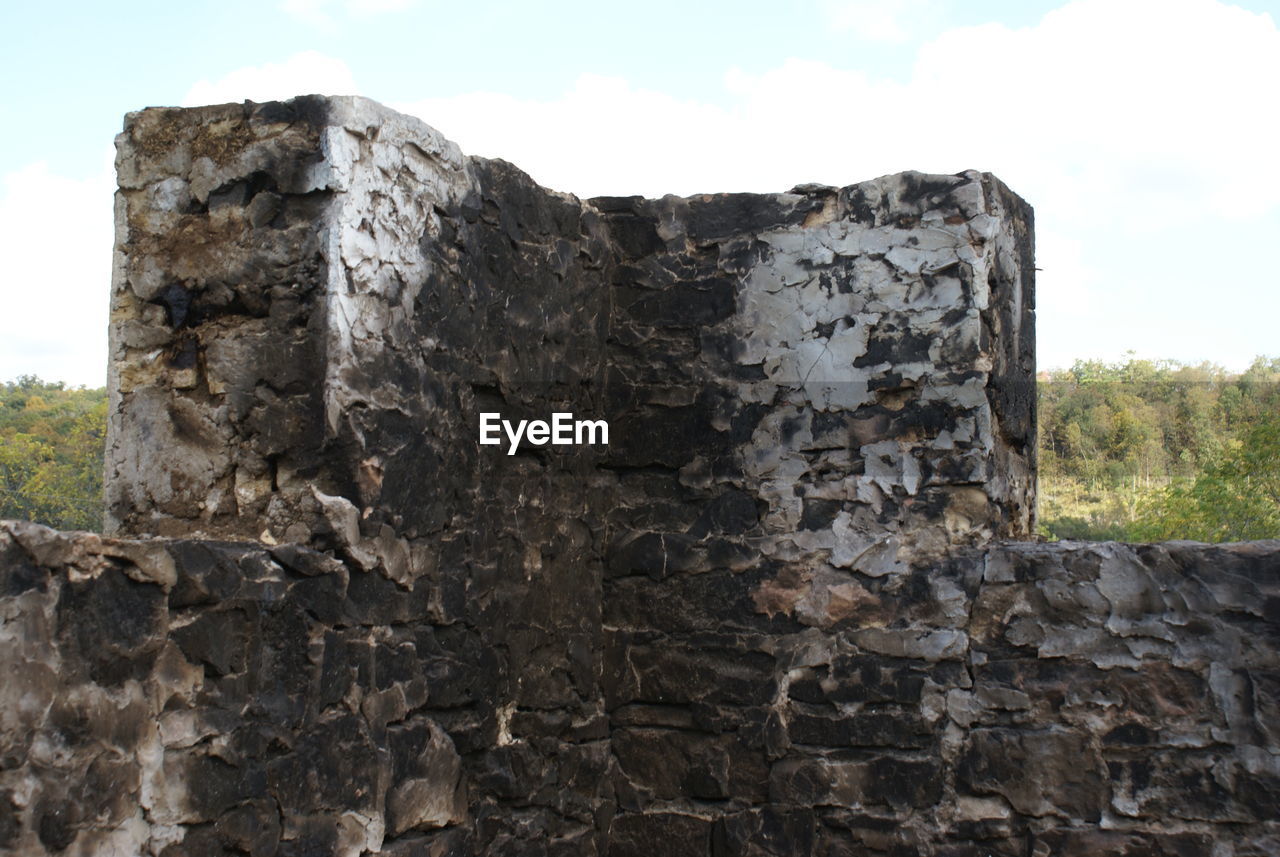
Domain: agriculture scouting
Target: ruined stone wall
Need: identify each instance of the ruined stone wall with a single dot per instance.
(211, 698)
(319, 297)
(834, 358)
(330, 397)
(1063, 699)
(772, 616)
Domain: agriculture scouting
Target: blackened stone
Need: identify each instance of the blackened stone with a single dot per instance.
(374, 600)
(686, 305)
(305, 561)
(675, 674)
(987, 847)
(10, 823)
(221, 784)
(206, 575)
(323, 596)
(395, 663)
(767, 832)
(895, 347)
(1259, 793)
(862, 678)
(1038, 772)
(346, 662)
(514, 771)
(56, 824)
(17, 573)
(690, 603)
(818, 514)
(455, 842)
(731, 513)
(175, 298)
(1129, 733)
(670, 764)
(335, 765)
(903, 783)
(662, 436)
(1087, 843)
(252, 827)
(318, 837)
(637, 236)
(799, 782)
(727, 214)
(863, 729)
(654, 554)
(283, 667)
(452, 683)
(900, 783)
(659, 833)
(200, 842)
(218, 639)
(115, 624)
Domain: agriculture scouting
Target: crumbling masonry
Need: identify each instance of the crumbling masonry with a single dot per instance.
(783, 612)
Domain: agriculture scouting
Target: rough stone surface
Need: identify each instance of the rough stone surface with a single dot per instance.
(778, 614)
(314, 301)
(1099, 699)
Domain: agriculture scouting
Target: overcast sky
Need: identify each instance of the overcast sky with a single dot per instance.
(1144, 132)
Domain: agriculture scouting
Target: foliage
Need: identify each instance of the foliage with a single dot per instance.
(51, 453)
(1236, 497)
(1144, 450)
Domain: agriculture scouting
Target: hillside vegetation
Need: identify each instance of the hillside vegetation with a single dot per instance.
(1148, 451)
(1134, 451)
(51, 446)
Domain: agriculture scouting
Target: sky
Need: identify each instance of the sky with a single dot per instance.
(1143, 132)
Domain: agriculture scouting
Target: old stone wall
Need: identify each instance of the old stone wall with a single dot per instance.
(1064, 699)
(212, 698)
(320, 297)
(331, 397)
(777, 614)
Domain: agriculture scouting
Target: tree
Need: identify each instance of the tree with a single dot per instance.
(52, 441)
(1235, 498)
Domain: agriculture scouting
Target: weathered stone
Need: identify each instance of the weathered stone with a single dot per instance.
(669, 764)
(766, 832)
(1037, 772)
(769, 617)
(644, 835)
(429, 791)
(899, 783)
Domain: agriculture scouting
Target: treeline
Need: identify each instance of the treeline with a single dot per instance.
(1153, 450)
(52, 441)
(1132, 451)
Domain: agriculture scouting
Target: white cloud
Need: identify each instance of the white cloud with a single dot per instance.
(323, 13)
(603, 136)
(306, 73)
(1117, 119)
(1156, 103)
(1067, 295)
(892, 21)
(55, 238)
(377, 7)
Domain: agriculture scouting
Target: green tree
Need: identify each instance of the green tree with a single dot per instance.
(52, 442)
(1115, 436)
(1235, 498)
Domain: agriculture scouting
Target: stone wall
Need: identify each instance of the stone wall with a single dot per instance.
(320, 297)
(774, 615)
(1064, 699)
(211, 698)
